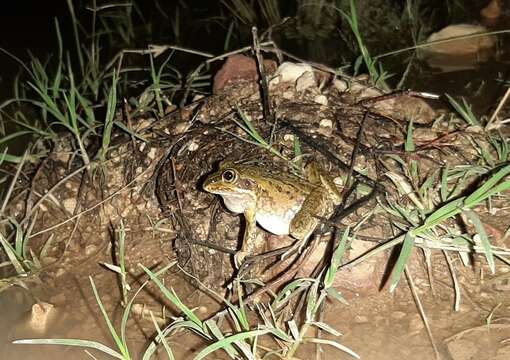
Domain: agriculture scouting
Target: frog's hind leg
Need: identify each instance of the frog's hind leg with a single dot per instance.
(316, 175)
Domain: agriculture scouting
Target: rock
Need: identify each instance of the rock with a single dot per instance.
(69, 205)
(239, 67)
(492, 11)
(361, 319)
(407, 107)
(291, 72)
(340, 85)
(288, 95)
(321, 99)
(326, 123)
(459, 54)
(461, 46)
(41, 316)
(305, 81)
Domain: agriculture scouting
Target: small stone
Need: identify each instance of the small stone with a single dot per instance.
(290, 72)
(305, 81)
(326, 123)
(69, 204)
(398, 315)
(340, 85)
(41, 315)
(361, 319)
(338, 181)
(193, 146)
(492, 11)
(90, 249)
(152, 153)
(288, 95)
(288, 137)
(321, 99)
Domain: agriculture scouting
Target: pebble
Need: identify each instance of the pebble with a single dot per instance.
(326, 123)
(305, 81)
(288, 95)
(361, 319)
(340, 85)
(90, 249)
(69, 204)
(321, 99)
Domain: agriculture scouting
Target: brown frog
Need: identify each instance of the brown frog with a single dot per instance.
(281, 203)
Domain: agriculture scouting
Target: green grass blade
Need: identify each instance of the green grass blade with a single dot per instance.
(484, 239)
(122, 346)
(168, 350)
(405, 253)
(172, 296)
(73, 342)
(336, 259)
(219, 335)
(409, 144)
(485, 190)
(123, 127)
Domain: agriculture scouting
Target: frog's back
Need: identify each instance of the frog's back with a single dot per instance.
(279, 197)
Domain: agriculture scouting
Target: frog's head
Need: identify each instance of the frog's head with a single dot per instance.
(231, 179)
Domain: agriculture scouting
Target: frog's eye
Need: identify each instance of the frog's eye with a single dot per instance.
(229, 176)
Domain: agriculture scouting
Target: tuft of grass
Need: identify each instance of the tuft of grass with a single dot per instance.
(426, 227)
(464, 110)
(375, 70)
(256, 138)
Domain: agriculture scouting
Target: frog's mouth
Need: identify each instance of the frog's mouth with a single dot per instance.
(221, 189)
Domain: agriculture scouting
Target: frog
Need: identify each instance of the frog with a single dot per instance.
(281, 203)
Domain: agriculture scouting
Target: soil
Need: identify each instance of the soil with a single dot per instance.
(154, 190)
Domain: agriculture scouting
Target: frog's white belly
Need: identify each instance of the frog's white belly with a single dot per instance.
(277, 223)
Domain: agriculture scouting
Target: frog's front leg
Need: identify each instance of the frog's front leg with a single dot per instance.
(248, 238)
